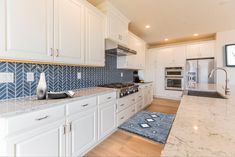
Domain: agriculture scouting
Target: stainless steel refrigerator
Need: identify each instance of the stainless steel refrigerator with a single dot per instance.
(198, 70)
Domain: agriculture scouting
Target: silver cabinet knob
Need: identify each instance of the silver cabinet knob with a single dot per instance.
(57, 53)
(52, 52)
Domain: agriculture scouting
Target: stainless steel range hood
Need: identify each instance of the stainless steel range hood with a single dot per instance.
(113, 48)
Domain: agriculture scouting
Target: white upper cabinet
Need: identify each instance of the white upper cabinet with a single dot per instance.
(69, 31)
(171, 56)
(117, 28)
(116, 24)
(133, 61)
(95, 37)
(201, 50)
(26, 29)
(61, 31)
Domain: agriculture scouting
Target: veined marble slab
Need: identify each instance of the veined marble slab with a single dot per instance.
(15, 107)
(203, 127)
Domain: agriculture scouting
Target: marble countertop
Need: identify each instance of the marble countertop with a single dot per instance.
(15, 107)
(203, 126)
(142, 84)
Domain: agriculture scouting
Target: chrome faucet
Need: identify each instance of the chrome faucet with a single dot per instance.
(227, 91)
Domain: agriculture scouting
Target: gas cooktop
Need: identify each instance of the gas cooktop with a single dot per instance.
(123, 89)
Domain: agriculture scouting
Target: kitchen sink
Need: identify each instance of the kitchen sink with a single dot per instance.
(206, 94)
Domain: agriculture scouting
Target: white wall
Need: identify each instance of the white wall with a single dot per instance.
(222, 39)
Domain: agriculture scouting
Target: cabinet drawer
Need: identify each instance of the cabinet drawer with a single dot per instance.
(125, 102)
(125, 115)
(139, 106)
(139, 96)
(81, 105)
(107, 97)
(131, 111)
(35, 119)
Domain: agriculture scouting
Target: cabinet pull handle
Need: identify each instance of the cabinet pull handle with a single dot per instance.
(64, 128)
(52, 52)
(85, 105)
(122, 117)
(109, 98)
(122, 104)
(39, 119)
(57, 53)
(70, 127)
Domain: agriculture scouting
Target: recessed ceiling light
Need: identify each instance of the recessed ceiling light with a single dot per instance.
(195, 34)
(166, 39)
(147, 26)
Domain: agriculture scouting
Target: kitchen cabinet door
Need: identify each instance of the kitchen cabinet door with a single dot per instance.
(178, 56)
(44, 142)
(148, 95)
(141, 55)
(26, 30)
(83, 133)
(95, 37)
(69, 31)
(151, 93)
(193, 51)
(117, 28)
(116, 23)
(207, 49)
(133, 61)
(107, 119)
(201, 50)
(173, 56)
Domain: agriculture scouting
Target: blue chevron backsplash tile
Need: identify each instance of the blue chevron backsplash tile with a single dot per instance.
(59, 78)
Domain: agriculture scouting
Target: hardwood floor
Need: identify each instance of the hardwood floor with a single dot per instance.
(125, 144)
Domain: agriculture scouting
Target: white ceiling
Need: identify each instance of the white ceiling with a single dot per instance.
(176, 18)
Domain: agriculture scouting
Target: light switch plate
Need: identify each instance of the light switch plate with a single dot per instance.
(30, 76)
(7, 77)
(121, 74)
(79, 75)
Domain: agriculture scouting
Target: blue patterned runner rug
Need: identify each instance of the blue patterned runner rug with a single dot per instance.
(152, 125)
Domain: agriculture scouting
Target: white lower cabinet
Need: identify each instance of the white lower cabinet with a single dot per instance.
(148, 94)
(107, 119)
(125, 115)
(67, 130)
(126, 108)
(43, 141)
(139, 106)
(83, 132)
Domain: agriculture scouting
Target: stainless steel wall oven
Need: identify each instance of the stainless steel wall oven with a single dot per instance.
(174, 78)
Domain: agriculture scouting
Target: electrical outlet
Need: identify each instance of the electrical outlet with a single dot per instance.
(7, 77)
(79, 75)
(30, 76)
(121, 74)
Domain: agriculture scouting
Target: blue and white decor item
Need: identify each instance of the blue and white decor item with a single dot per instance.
(59, 77)
(42, 87)
(152, 125)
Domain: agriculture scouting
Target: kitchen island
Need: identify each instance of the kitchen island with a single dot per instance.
(203, 126)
